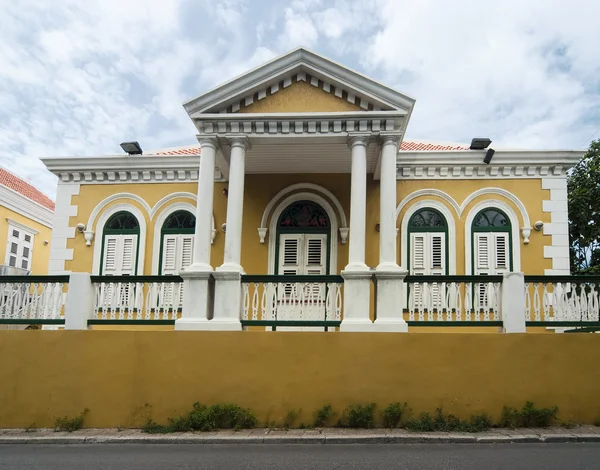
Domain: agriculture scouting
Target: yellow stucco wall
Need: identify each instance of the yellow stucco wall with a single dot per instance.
(300, 97)
(41, 252)
(260, 189)
(122, 377)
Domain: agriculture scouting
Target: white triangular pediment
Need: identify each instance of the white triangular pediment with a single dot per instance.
(299, 65)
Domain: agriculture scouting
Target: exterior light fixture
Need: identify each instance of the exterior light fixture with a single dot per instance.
(480, 143)
(488, 156)
(132, 148)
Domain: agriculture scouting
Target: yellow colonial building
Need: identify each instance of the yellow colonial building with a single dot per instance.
(303, 202)
(25, 226)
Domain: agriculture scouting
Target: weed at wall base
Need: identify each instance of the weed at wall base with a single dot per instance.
(528, 416)
(323, 415)
(358, 416)
(67, 424)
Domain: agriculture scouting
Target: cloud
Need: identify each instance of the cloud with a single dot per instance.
(77, 78)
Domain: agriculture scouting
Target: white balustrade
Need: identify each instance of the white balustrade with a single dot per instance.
(33, 298)
(468, 299)
(138, 299)
(292, 301)
(571, 299)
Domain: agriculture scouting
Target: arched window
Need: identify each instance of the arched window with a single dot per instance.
(428, 243)
(120, 245)
(177, 242)
(303, 231)
(492, 243)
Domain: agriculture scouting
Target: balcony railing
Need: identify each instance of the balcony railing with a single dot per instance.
(454, 300)
(33, 299)
(137, 299)
(562, 301)
(292, 301)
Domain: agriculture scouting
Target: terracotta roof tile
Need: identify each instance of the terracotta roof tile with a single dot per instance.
(24, 188)
(407, 146)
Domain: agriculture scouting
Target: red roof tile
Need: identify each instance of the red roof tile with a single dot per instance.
(407, 146)
(24, 188)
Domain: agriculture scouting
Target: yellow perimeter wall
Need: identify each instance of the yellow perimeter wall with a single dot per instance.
(124, 377)
(41, 252)
(260, 189)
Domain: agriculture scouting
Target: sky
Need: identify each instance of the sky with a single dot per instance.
(79, 77)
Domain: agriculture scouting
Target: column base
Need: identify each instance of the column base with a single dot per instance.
(357, 300)
(198, 296)
(388, 303)
(228, 298)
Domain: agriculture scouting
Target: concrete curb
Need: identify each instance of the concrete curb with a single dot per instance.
(323, 438)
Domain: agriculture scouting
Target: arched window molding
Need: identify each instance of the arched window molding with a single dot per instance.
(333, 220)
(158, 224)
(443, 209)
(314, 188)
(103, 217)
(514, 234)
(428, 192)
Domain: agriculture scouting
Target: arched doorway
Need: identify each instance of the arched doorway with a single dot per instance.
(177, 242)
(120, 245)
(302, 240)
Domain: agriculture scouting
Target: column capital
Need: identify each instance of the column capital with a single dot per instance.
(208, 140)
(358, 139)
(238, 140)
(390, 138)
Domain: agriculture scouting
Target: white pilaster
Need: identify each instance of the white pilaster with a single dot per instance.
(197, 280)
(387, 204)
(512, 305)
(228, 287)
(80, 302)
(357, 275)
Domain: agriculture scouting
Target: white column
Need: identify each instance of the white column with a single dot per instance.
(228, 286)
(387, 204)
(204, 204)
(79, 307)
(358, 203)
(198, 286)
(357, 275)
(235, 204)
(389, 277)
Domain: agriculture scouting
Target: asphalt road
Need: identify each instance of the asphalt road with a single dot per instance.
(296, 457)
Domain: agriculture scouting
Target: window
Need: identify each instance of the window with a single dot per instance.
(120, 245)
(427, 243)
(177, 243)
(491, 242)
(19, 247)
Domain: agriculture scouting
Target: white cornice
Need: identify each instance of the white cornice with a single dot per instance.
(26, 207)
(469, 164)
(115, 169)
(300, 123)
(298, 61)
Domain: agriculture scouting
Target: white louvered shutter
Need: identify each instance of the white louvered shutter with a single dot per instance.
(289, 254)
(119, 257)
(314, 263)
(187, 251)
(128, 254)
(169, 260)
(483, 249)
(109, 256)
(437, 266)
(501, 258)
(418, 267)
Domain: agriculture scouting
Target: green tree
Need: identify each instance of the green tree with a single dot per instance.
(584, 212)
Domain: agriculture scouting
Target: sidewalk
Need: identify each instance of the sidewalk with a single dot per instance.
(296, 436)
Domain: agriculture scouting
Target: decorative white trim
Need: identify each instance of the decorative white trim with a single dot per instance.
(514, 221)
(299, 61)
(170, 197)
(162, 217)
(501, 192)
(468, 164)
(61, 231)
(333, 219)
(558, 228)
(343, 223)
(20, 226)
(114, 197)
(423, 204)
(99, 228)
(20, 204)
(428, 192)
